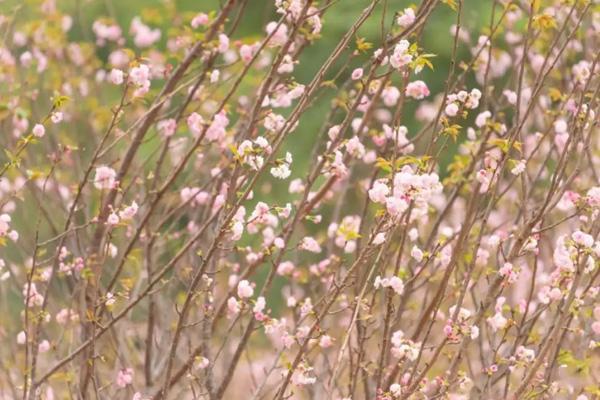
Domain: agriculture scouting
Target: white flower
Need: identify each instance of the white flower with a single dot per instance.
(394, 282)
(281, 171)
(214, 76)
(463, 313)
(518, 168)
(260, 305)
(44, 346)
(416, 253)
(202, 362)
(379, 239)
(497, 321)
(244, 289)
(274, 122)
(105, 178)
(560, 126)
(525, 354)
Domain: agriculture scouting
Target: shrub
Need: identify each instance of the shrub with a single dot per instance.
(167, 231)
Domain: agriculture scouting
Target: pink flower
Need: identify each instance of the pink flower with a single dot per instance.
(56, 117)
(129, 211)
(397, 285)
(325, 341)
(260, 305)
(237, 230)
(379, 239)
(199, 20)
(105, 178)
(310, 244)
(223, 43)
(285, 268)
(597, 313)
(511, 96)
(144, 36)
(390, 96)
(482, 118)
(593, 196)
(393, 282)
(451, 110)
(167, 127)
(44, 346)
(140, 76)
(596, 327)
(406, 18)
(65, 315)
(583, 239)
(216, 130)
(13, 235)
(417, 90)
(38, 130)
(113, 219)
(355, 147)
(357, 74)
(124, 377)
(401, 57)
(395, 206)
(247, 53)
(416, 253)
(279, 33)
(116, 76)
(379, 192)
(26, 59)
(233, 306)
(106, 32)
(484, 177)
(286, 66)
(560, 140)
(195, 122)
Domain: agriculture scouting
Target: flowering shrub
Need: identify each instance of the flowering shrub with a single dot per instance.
(162, 236)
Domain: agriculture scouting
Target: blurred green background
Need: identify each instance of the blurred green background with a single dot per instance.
(435, 39)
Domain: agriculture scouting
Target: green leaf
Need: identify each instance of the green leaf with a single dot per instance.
(362, 45)
(383, 164)
(60, 101)
(451, 3)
